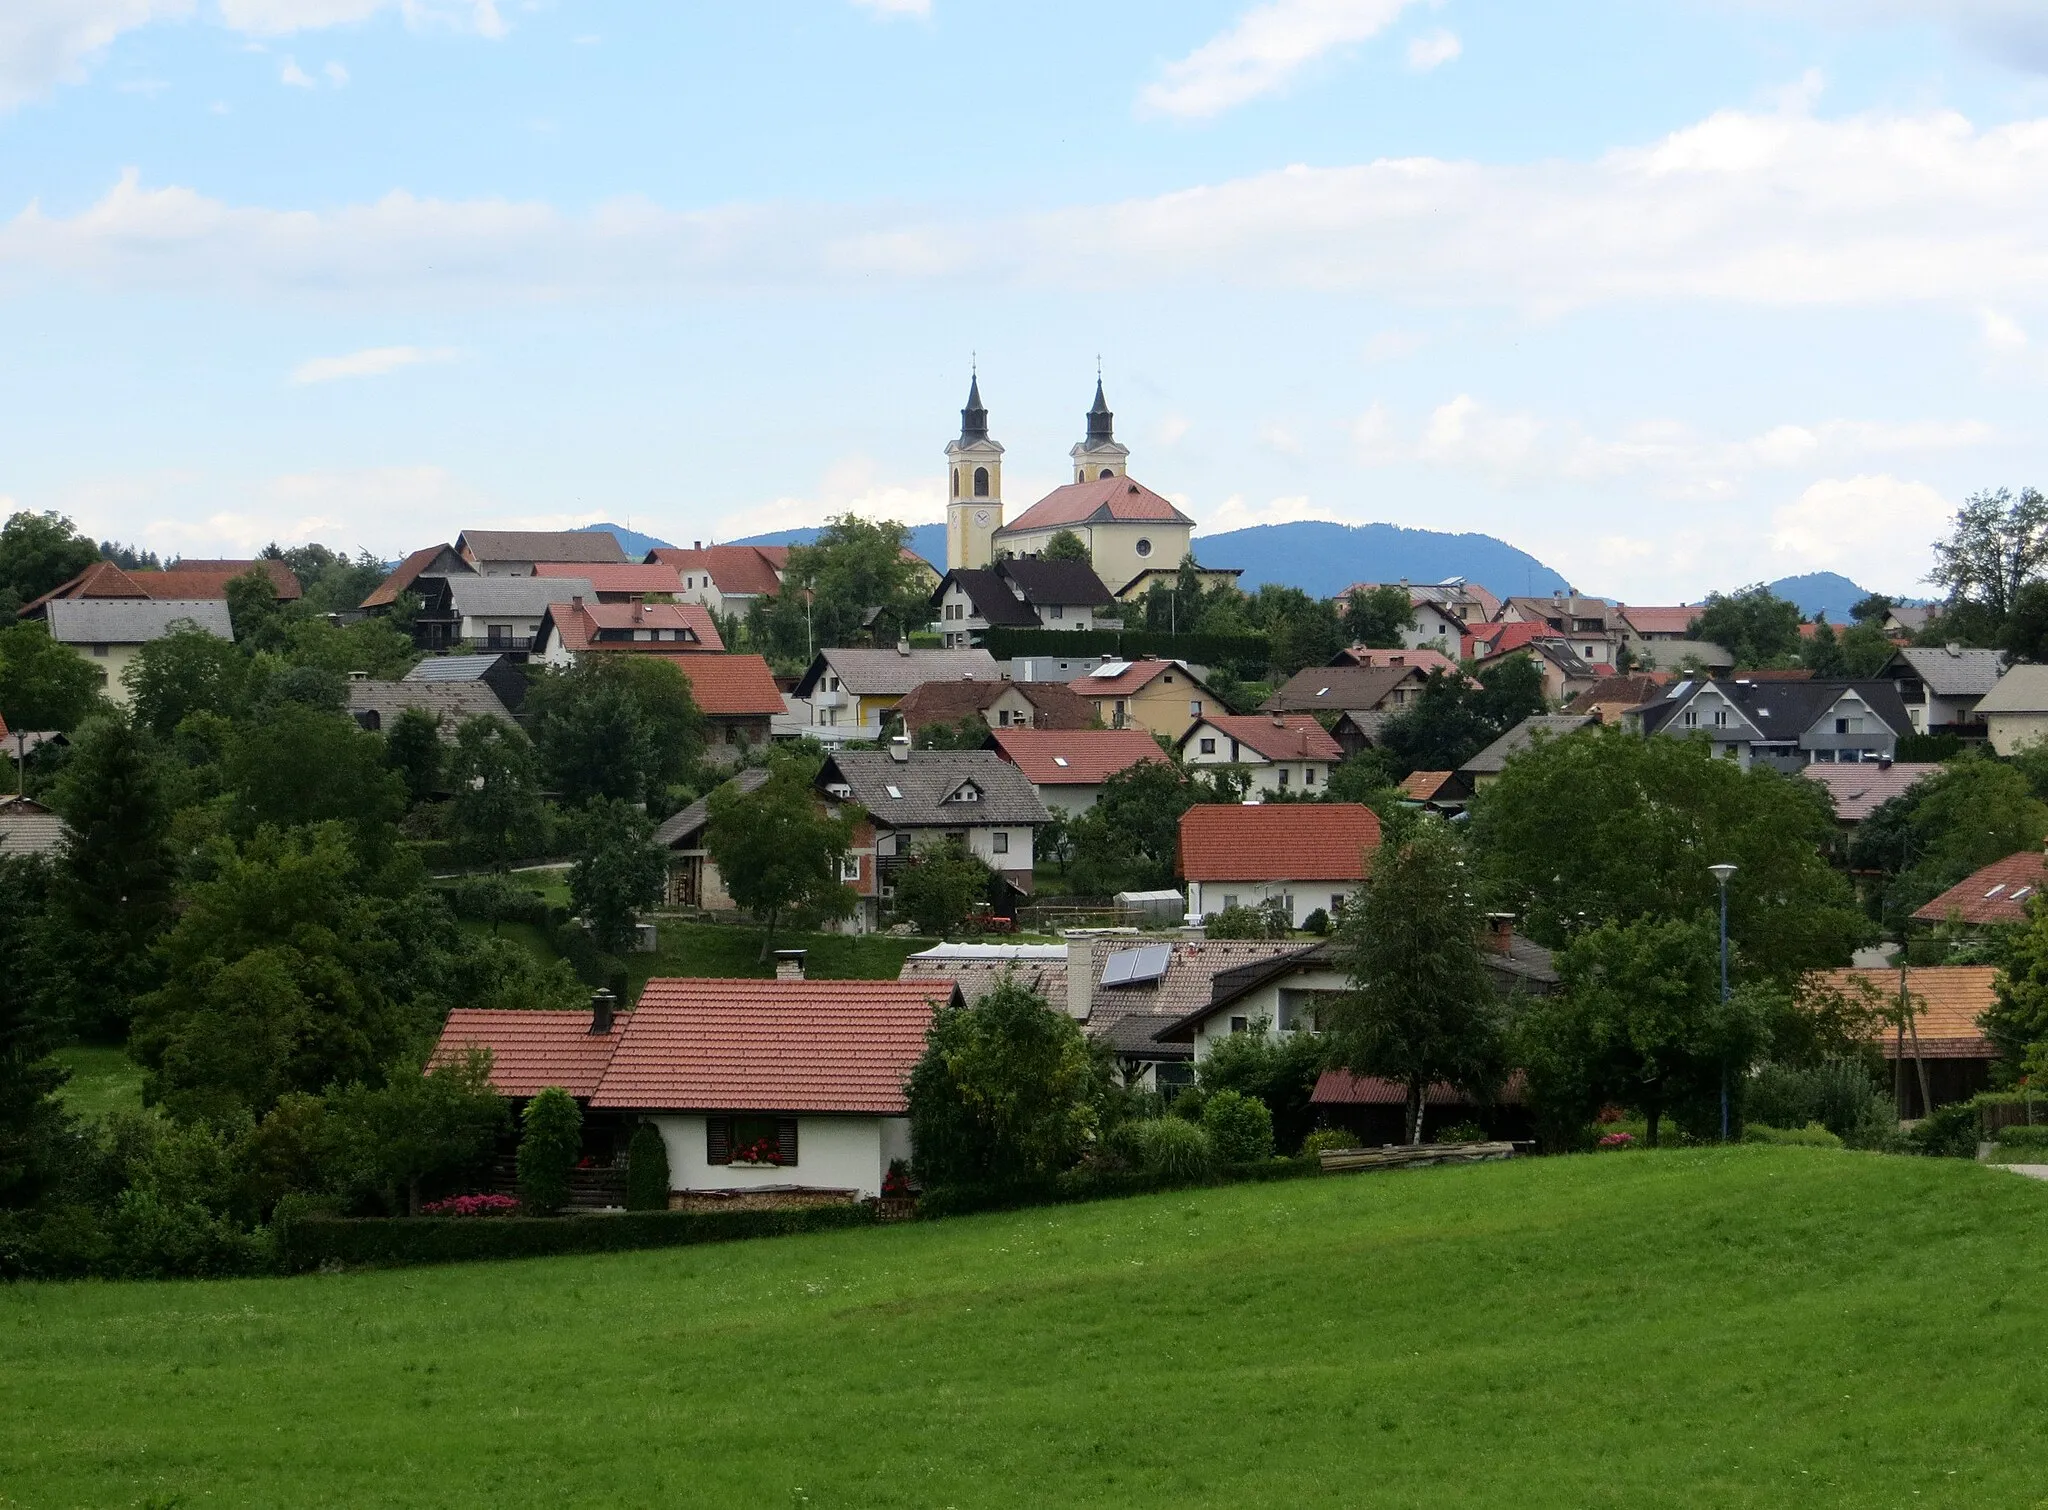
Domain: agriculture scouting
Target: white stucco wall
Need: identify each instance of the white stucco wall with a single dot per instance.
(1265, 1005)
(1069, 799)
(1206, 897)
(833, 1153)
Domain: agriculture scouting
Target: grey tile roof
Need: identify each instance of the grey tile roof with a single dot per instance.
(1128, 1017)
(2023, 689)
(453, 701)
(542, 545)
(929, 781)
(1494, 758)
(688, 823)
(1063, 582)
(1331, 688)
(132, 621)
(1952, 671)
(524, 597)
(29, 828)
(452, 668)
(991, 599)
(891, 673)
(978, 968)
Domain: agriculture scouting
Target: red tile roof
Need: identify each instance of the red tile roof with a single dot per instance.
(1423, 785)
(578, 623)
(606, 576)
(1279, 736)
(1098, 501)
(1859, 788)
(1496, 639)
(1282, 841)
(1135, 677)
(772, 1045)
(1946, 1002)
(1053, 704)
(1671, 621)
(742, 569)
(1342, 1088)
(531, 1051)
(1998, 893)
(1424, 661)
(1075, 757)
(103, 579)
(731, 686)
(406, 574)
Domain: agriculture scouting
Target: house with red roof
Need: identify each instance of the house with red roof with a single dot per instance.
(1277, 752)
(739, 699)
(1995, 896)
(579, 627)
(1160, 697)
(1067, 767)
(1308, 855)
(204, 582)
(727, 579)
(765, 1091)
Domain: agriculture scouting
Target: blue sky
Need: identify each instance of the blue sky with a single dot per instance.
(1676, 295)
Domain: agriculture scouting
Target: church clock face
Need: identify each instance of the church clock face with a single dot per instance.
(981, 518)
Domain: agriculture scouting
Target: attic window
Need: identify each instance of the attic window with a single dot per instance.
(894, 791)
(968, 792)
(2020, 893)
(1322, 692)
(1059, 760)
(1994, 891)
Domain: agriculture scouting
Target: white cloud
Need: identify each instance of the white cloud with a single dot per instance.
(1871, 528)
(890, 10)
(47, 42)
(1759, 209)
(1668, 459)
(1237, 513)
(1259, 54)
(851, 485)
(2002, 333)
(375, 361)
(1172, 429)
(337, 74)
(1433, 50)
(2013, 32)
(295, 76)
(44, 42)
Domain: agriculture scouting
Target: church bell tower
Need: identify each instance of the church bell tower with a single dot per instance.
(1100, 454)
(974, 487)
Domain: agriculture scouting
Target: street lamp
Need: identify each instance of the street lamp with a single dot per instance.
(1723, 874)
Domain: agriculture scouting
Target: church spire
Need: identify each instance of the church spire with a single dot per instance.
(974, 418)
(1101, 423)
(1099, 455)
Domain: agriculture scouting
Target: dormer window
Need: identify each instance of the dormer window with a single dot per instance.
(967, 792)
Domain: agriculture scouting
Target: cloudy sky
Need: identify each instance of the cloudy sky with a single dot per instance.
(1676, 294)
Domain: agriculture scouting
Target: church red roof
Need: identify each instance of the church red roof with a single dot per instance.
(1105, 500)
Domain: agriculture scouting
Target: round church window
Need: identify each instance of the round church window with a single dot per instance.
(1144, 547)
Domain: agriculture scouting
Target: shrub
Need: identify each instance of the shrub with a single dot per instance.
(1328, 1140)
(1175, 1150)
(1617, 1140)
(1462, 1132)
(493, 899)
(1317, 922)
(1124, 1144)
(1240, 1128)
(2024, 1137)
(1836, 1094)
(647, 1170)
(1188, 1104)
(1951, 1133)
(1266, 921)
(472, 1205)
(1813, 1135)
(548, 1146)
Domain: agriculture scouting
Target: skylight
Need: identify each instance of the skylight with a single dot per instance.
(894, 791)
(1059, 760)
(2020, 893)
(1994, 891)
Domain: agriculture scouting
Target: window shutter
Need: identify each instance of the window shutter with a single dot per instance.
(785, 1139)
(718, 1140)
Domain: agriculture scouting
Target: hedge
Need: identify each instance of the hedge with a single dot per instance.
(1234, 650)
(394, 1242)
(1078, 1185)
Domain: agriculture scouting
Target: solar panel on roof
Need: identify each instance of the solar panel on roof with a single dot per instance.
(1111, 668)
(1137, 967)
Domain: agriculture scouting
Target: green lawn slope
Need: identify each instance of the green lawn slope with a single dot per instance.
(1741, 1327)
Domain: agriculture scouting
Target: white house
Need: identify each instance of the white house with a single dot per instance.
(1309, 856)
(765, 1089)
(1067, 767)
(1280, 752)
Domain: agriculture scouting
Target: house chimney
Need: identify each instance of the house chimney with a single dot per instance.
(1080, 976)
(696, 545)
(899, 749)
(1500, 931)
(789, 964)
(601, 1003)
(359, 676)
(903, 645)
(576, 600)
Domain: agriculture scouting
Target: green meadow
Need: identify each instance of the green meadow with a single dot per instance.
(1739, 1327)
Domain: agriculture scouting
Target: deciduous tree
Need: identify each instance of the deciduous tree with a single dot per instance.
(617, 872)
(778, 849)
(39, 552)
(1754, 625)
(1999, 544)
(1422, 1007)
(45, 685)
(1376, 616)
(392, 1138)
(940, 887)
(497, 809)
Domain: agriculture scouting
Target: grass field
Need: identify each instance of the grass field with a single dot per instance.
(102, 1081)
(1741, 1327)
